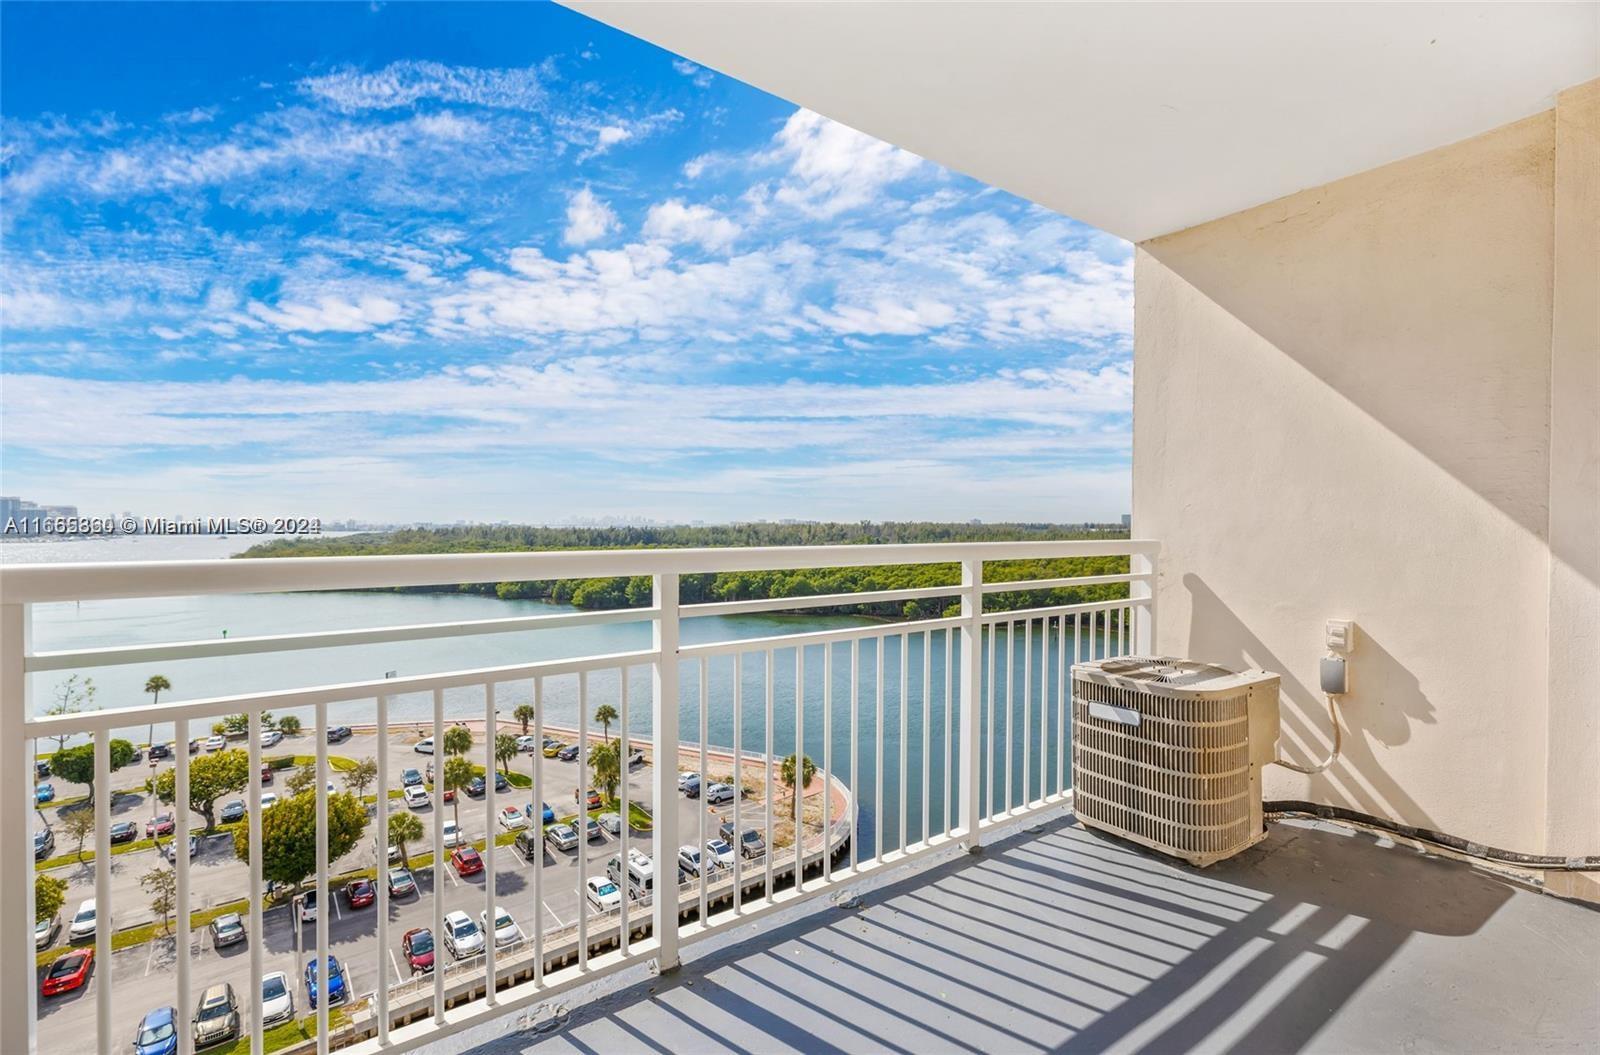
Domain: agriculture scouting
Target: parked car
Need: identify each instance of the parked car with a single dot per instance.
(527, 844)
(546, 814)
(466, 861)
(593, 800)
(137, 756)
(512, 819)
(277, 999)
(266, 772)
(337, 992)
(611, 822)
(568, 753)
(716, 793)
(416, 796)
(720, 853)
(269, 799)
(602, 893)
(359, 893)
(424, 746)
(43, 793)
(640, 876)
(83, 922)
(635, 758)
(689, 860)
(194, 746)
(751, 844)
(41, 768)
(69, 972)
(684, 778)
(500, 781)
(462, 936)
(410, 778)
(45, 932)
(124, 832)
(593, 832)
(157, 1033)
(308, 907)
(394, 851)
(476, 787)
(271, 738)
(452, 834)
(339, 734)
(401, 882)
(227, 930)
(552, 748)
(505, 929)
(526, 744)
(171, 849)
(216, 742)
(160, 751)
(162, 824)
(562, 836)
(417, 945)
(690, 787)
(232, 811)
(216, 1017)
(44, 843)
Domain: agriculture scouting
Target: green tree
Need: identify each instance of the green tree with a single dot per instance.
(237, 724)
(808, 770)
(605, 714)
(505, 749)
(76, 764)
(458, 774)
(155, 685)
(457, 740)
(289, 835)
(404, 829)
(289, 725)
(359, 777)
(49, 894)
(162, 886)
(73, 695)
(304, 778)
(78, 825)
(606, 762)
(210, 777)
(525, 714)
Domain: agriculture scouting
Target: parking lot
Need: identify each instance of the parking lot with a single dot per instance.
(144, 976)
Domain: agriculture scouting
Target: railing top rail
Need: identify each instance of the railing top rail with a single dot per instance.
(31, 583)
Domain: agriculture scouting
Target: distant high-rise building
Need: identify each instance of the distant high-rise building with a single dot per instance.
(1127, 520)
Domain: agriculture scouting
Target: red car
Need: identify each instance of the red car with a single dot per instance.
(418, 947)
(162, 825)
(69, 972)
(359, 893)
(466, 861)
(266, 773)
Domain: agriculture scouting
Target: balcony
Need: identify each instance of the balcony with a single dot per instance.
(930, 737)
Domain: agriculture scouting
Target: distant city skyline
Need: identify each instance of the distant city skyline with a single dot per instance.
(500, 262)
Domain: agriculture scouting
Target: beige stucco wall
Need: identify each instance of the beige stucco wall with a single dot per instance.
(1343, 409)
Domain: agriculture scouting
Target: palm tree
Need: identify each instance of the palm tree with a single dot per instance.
(457, 775)
(404, 828)
(524, 714)
(605, 714)
(457, 740)
(155, 685)
(505, 749)
(606, 762)
(808, 769)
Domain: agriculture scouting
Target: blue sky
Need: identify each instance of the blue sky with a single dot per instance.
(444, 262)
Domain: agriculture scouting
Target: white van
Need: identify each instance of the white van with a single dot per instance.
(641, 872)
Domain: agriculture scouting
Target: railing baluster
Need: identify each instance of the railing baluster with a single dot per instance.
(877, 802)
(738, 782)
(491, 823)
(991, 776)
(799, 767)
(664, 730)
(905, 690)
(583, 820)
(180, 864)
(927, 679)
(1027, 713)
(970, 812)
(1011, 703)
(771, 850)
(324, 975)
(537, 807)
(103, 907)
(18, 989)
(855, 752)
(254, 894)
(827, 763)
(947, 753)
(383, 873)
(438, 855)
(700, 811)
(1062, 676)
(625, 748)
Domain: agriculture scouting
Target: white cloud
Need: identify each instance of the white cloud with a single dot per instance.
(601, 133)
(588, 219)
(409, 82)
(883, 316)
(328, 313)
(832, 167)
(699, 74)
(674, 222)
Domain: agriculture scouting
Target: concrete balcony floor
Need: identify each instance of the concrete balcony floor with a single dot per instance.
(1059, 939)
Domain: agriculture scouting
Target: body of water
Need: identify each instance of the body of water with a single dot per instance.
(923, 659)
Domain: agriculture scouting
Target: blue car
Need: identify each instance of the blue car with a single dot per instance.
(158, 1033)
(549, 814)
(336, 990)
(44, 793)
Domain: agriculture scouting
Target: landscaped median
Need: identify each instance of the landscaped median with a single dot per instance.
(145, 932)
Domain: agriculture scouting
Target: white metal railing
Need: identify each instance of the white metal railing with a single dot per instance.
(981, 752)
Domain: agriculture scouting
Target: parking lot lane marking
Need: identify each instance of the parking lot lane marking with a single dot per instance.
(559, 922)
(149, 959)
(395, 963)
(334, 899)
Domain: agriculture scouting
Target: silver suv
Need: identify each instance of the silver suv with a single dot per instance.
(216, 1017)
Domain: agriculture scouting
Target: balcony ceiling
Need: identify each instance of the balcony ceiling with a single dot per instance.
(1143, 119)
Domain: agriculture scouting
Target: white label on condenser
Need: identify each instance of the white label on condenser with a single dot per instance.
(1120, 715)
